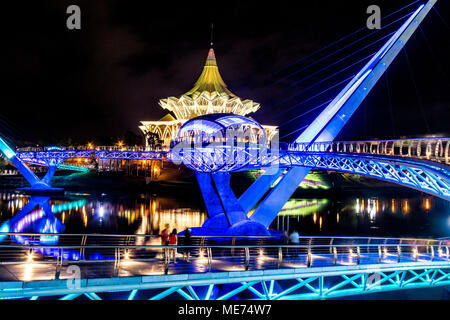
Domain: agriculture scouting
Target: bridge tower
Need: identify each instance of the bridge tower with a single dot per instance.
(216, 190)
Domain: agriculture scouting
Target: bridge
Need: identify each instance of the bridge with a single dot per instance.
(220, 268)
(235, 255)
(424, 166)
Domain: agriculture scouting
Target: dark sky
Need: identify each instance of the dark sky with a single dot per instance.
(103, 79)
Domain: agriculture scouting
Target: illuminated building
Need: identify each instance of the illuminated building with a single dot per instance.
(209, 95)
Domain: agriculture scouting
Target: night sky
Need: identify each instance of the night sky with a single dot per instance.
(103, 79)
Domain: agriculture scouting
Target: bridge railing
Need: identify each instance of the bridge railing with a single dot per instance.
(142, 253)
(434, 149)
(87, 148)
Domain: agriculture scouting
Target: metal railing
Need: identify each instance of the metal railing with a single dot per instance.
(88, 147)
(140, 253)
(434, 149)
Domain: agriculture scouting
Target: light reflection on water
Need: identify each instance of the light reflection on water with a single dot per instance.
(424, 216)
(144, 214)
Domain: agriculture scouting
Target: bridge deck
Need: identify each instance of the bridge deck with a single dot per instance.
(393, 279)
(155, 267)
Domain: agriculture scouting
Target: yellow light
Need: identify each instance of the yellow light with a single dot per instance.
(126, 255)
(337, 218)
(200, 253)
(320, 223)
(406, 208)
(30, 256)
(427, 204)
(385, 251)
(261, 251)
(315, 218)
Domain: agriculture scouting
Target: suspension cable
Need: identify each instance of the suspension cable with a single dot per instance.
(419, 100)
(337, 41)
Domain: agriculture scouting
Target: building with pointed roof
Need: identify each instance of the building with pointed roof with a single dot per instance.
(209, 95)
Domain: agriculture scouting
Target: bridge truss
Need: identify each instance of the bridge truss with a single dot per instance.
(282, 284)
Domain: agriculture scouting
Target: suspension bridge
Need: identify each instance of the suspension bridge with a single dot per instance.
(258, 268)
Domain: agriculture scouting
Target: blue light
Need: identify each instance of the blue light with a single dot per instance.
(4, 229)
(6, 149)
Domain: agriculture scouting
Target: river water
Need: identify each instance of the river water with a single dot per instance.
(423, 216)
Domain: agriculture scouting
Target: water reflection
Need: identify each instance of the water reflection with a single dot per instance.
(128, 215)
(147, 214)
(370, 216)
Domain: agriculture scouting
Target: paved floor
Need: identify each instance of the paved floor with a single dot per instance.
(46, 270)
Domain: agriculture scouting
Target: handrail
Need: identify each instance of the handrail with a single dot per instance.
(210, 236)
(434, 149)
(217, 256)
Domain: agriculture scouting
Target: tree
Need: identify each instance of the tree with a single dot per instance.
(132, 139)
(153, 141)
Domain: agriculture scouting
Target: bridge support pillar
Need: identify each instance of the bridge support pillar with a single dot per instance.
(230, 204)
(269, 208)
(226, 215)
(258, 189)
(37, 185)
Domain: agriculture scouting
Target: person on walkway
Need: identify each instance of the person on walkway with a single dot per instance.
(187, 242)
(173, 238)
(165, 236)
(165, 240)
(294, 239)
(285, 242)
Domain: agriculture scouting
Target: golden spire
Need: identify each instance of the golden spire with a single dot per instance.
(210, 80)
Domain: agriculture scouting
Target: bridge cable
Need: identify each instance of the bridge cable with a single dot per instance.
(442, 18)
(336, 73)
(386, 77)
(337, 41)
(323, 80)
(305, 113)
(337, 51)
(419, 100)
(436, 60)
(315, 96)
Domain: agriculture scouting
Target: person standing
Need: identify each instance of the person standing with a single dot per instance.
(294, 239)
(187, 242)
(285, 242)
(173, 238)
(165, 236)
(165, 240)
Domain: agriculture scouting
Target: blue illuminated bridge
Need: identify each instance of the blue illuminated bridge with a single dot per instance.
(234, 255)
(219, 268)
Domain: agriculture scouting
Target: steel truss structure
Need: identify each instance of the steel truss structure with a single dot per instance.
(427, 177)
(433, 149)
(315, 283)
(61, 156)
